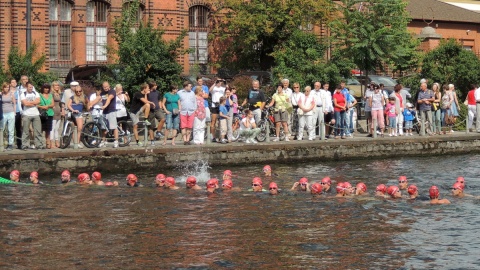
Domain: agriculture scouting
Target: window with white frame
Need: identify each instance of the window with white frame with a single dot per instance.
(96, 31)
(197, 35)
(60, 17)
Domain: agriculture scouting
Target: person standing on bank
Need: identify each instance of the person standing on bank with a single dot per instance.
(30, 100)
(436, 110)
(140, 104)
(377, 102)
(306, 105)
(57, 114)
(171, 105)
(294, 119)
(256, 99)
(200, 117)
(154, 97)
(21, 89)
(188, 106)
(46, 106)
(217, 91)
(282, 103)
(77, 104)
(425, 100)
(472, 106)
(339, 104)
(8, 104)
(400, 96)
(109, 97)
(122, 99)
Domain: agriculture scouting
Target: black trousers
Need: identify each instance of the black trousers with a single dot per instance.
(18, 129)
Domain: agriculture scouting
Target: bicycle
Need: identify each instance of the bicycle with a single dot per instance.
(67, 129)
(268, 117)
(236, 123)
(92, 135)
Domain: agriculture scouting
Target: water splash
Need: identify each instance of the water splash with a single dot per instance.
(198, 168)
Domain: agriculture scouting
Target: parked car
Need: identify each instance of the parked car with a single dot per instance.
(355, 87)
(388, 82)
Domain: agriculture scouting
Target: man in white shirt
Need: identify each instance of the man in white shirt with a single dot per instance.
(288, 92)
(30, 115)
(217, 91)
(327, 106)
(18, 116)
(296, 96)
(68, 93)
(477, 100)
(317, 119)
(368, 110)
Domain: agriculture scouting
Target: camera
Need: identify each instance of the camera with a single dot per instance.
(220, 80)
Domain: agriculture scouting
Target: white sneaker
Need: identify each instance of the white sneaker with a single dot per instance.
(299, 138)
(94, 142)
(248, 141)
(253, 141)
(32, 146)
(80, 146)
(115, 144)
(102, 144)
(287, 139)
(139, 144)
(275, 139)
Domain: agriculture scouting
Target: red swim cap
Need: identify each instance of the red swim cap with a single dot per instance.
(412, 189)
(327, 180)
(381, 188)
(257, 180)
(273, 185)
(96, 176)
(15, 173)
(82, 177)
(303, 180)
(227, 172)
(211, 183)
(132, 177)
(109, 184)
(34, 174)
(227, 183)
(434, 192)
(391, 190)
(458, 185)
(347, 185)
(170, 180)
(267, 168)
(362, 186)
(191, 180)
(402, 178)
(340, 187)
(160, 177)
(461, 180)
(66, 173)
(316, 188)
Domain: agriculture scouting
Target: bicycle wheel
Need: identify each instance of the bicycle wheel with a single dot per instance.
(235, 130)
(67, 138)
(124, 133)
(262, 135)
(91, 135)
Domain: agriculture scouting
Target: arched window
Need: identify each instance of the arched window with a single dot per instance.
(96, 31)
(60, 15)
(140, 10)
(197, 35)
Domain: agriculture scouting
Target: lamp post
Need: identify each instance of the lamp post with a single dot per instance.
(29, 24)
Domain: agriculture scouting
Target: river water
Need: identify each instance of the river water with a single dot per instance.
(73, 227)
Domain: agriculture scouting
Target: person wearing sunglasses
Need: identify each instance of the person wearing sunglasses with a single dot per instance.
(191, 183)
(434, 194)
(273, 188)
(461, 180)
(326, 184)
(301, 185)
(402, 182)
(457, 190)
(76, 104)
(412, 192)
(257, 185)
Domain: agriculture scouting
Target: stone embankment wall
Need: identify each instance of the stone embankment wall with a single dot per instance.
(132, 159)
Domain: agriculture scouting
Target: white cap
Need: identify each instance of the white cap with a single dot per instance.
(74, 83)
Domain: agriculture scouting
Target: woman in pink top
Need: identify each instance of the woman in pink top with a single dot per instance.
(377, 102)
(199, 121)
(392, 116)
(339, 104)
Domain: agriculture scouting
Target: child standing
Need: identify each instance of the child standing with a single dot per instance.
(223, 119)
(408, 116)
(392, 116)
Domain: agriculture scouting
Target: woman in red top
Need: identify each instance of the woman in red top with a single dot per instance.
(339, 104)
(472, 106)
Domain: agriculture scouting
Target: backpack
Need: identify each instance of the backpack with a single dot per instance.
(446, 101)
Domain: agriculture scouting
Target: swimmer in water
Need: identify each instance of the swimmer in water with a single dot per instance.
(211, 185)
(160, 180)
(273, 188)
(15, 176)
(326, 183)
(381, 190)
(227, 174)
(394, 192)
(316, 189)
(84, 179)
(191, 183)
(412, 192)
(257, 185)
(457, 190)
(434, 194)
(348, 189)
(267, 170)
(461, 180)
(34, 179)
(111, 184)
(227, 185)
(65, 176)
(341, 190)
(97, 179)
(402, 182)
(361, 189)
(132, 181)
(170, 183)
(301, 185)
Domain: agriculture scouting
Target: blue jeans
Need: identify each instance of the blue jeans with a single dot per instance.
(172, 121)
(339, 122)
(9, 121)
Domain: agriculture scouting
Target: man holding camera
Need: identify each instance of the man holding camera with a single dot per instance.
(256, 99)
(217, 91)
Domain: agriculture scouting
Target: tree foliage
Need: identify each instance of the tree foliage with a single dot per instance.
(254, 29)
(143, 54)
(27, 63)
(450, 63)
(373, 33)
(301, 58)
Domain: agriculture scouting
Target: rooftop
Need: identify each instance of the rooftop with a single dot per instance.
(446, 10)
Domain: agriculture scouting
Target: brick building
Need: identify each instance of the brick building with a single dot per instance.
(75, 32)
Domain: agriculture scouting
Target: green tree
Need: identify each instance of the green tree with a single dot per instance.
(143, 54)
(301, 58)
(246, 33)
(373, 33)
(450, 63)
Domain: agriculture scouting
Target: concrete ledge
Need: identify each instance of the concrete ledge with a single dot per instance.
(161, 157)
